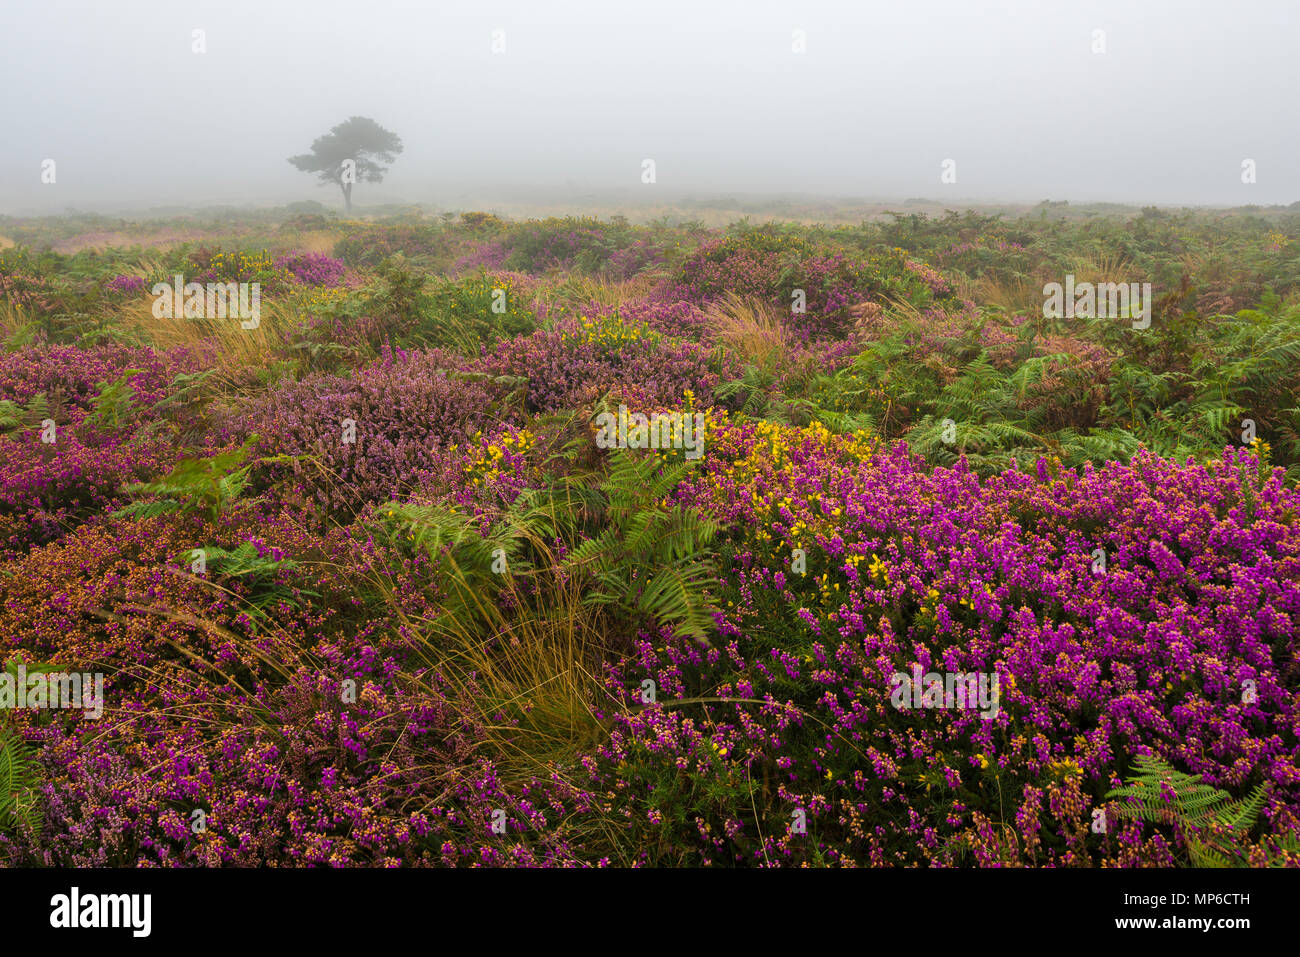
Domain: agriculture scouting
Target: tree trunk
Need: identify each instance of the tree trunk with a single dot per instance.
(347, 195)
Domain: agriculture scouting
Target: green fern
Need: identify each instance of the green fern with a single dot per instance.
(1206, 816)
(751, 394)
(113, 406)
(480, 561)
(650, 560)
(1034, 370)
(260, 575)
(1099, 447)
(209, 484)
(186, 387)
(15, 417)
(20, 808)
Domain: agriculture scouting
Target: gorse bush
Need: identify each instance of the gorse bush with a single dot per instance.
(221, 266)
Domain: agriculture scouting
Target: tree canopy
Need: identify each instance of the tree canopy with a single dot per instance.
(351, 152)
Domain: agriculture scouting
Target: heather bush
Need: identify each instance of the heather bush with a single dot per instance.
(940, 572)
(484, 255)
(817, 290)
(391, 775)
(578, 360)
(48, 488)
(126, 285)
(313, 269)
(74, 374)
(681, 319)
(405, 407)
(584, 244)
(82, 424)
(626, 262)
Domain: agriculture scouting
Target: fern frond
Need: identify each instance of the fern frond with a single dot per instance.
(19, 780)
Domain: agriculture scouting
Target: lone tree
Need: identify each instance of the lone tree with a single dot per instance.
(348, 153)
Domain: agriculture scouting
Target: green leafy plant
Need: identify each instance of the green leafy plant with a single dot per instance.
(479, 561)
(113, 405)
(19, 782)
(15, 417)
(1211, 822)
(472, 312)
(186, 387)
(210, 485)
(750, 394)
(260, 574)
(648, 559)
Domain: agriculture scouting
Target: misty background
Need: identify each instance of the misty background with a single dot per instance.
(711, 91)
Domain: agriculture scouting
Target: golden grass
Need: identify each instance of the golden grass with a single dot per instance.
(526, 668)
(234, 349)
(1102, 267)
(541, 666)
(1013, 295)
(751, 330)
(13, 318)
(527, 678)
(576, 292)
(1025, 295)
(314, 241)
(897, 310)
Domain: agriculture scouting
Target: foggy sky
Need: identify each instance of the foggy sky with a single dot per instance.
(711, 91)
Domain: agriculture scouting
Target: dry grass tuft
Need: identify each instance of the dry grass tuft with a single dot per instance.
(1016, 296)
(576, 293)
(752, 331)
